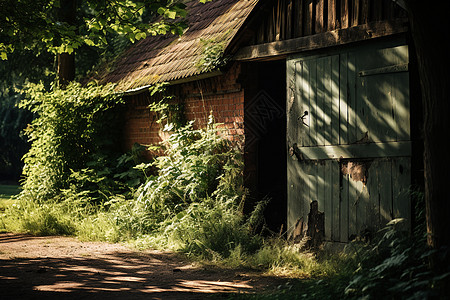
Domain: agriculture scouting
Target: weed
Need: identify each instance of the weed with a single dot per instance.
(212, 56)
(39, 218)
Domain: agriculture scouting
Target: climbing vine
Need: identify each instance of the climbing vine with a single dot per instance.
(167, 111)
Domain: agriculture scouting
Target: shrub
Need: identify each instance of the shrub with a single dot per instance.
(396, 263)
(194, 201)
(70, 127)
(197, 164)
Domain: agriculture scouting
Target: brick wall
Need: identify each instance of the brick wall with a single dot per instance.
(222, 96)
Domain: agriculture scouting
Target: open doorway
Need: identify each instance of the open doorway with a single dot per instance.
(265, 126)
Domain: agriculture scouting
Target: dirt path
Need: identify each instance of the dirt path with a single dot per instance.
(65, 268)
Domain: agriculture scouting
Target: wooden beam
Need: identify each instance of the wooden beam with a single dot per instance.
(385, 149)
(323, 40)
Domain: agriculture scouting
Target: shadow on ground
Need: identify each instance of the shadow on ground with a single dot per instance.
(113, 275)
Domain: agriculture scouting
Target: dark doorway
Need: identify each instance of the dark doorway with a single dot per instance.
(265, 126)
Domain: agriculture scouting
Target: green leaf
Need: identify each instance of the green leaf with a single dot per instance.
(171, 14)
(89, 42)
(95, 26)
(161, 10)
(131, 36)
(140, 35)
(69, 49)
(180, 215)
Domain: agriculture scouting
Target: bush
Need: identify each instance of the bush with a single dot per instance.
(195, 199)
(198, 164)
(192, 202)
(397, 264)
(67, 132)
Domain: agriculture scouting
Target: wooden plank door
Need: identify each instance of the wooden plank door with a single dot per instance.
(348, 132)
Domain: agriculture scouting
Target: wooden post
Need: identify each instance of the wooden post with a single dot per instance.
(364, 12)
(344, 17)
(331, 22)
(289, 30)
(319, 24)
(298, 18)
(308, 20)
(316, 226)
(355, 13)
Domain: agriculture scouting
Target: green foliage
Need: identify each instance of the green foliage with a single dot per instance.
(200, 175)
(212, 55)
(46, 218)
(193, 202)
(397, 264)
(189, 172)
(394, 265)
(7, 192)
(212, 229)
(43, 24)
(71, 128)
(167, 112)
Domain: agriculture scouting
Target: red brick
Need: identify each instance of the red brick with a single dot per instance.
(227, 108)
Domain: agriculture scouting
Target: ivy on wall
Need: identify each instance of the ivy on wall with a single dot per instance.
(168, 112)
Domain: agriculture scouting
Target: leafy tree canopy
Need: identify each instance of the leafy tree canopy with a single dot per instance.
(61, 26)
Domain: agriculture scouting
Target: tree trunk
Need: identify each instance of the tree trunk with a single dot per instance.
(66, 68)
(66, 61)
(429, 23)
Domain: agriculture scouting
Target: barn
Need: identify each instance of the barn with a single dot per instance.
(320, 94)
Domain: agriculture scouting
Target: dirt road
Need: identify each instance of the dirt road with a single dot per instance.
(65, 268)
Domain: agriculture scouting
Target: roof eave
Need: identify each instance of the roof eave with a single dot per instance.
(144, 88)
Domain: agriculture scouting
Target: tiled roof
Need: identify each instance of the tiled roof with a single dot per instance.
(168, 58)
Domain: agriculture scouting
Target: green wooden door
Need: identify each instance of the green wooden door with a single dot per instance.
(348, 131)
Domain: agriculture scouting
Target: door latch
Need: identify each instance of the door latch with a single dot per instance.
(303, 118)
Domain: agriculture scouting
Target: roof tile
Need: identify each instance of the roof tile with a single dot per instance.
(166, 58)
